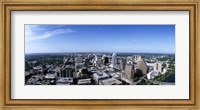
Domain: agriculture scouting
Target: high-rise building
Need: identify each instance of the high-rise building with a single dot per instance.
(137, 58)
(65, 60)
(105, 60)
(87, 62)
(67, 72)
(158, 67)
(58, 71)
(97, 60)
(114, 56)
(78, 66)
(129, 72)
(142, 67)
(122, 63)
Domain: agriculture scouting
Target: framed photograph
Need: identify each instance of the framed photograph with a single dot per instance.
(100, 53)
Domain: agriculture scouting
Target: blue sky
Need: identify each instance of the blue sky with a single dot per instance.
(100, 38)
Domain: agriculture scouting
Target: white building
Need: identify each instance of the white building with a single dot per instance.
(137, 58)
(64, 60)
(99, 75)
(150, 66)
(50, 76)
(158, 67)
(110, 81)
(116, 75)
(114, 56)
(164, 70)
(64, 81)
(97, 60)
(153, 74)
(84, 81)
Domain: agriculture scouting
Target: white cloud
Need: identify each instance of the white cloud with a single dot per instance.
(32, 36)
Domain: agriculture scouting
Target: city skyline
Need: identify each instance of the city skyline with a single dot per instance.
(100, 38)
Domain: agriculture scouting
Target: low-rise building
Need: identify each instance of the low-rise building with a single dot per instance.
(84, 81)
(64, 81)
(50, 76)
(110, 81)
(100, 75)
(153, 74)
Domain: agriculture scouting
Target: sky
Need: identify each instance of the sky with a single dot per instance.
(99, 38)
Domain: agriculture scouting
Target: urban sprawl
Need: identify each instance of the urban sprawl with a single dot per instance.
(99, 69)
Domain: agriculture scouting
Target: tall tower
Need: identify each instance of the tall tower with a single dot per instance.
(129, 72)
(96, 60)
(64, 60)
(137, 58)
(122, 63)
(105, 60)
(142, 67)
(158, 66)
(114, 59)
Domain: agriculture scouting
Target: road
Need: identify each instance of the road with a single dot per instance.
(162, 83)
(143, 77)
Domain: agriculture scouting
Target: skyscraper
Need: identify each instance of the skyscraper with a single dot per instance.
(87, 62)
(67, 72)
(158, 67)
(142, 67)
(97, 60)
(114, 56)
(122, 63)
(137, 58)
(105, 60)
(64, 60)
(129, 72)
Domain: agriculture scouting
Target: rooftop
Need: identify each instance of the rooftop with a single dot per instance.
(110, 81)
(100, 74)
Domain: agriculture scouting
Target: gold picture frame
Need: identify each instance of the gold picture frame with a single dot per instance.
(64, 5)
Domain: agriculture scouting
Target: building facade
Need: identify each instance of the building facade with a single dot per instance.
(142, 67)
(129, 72)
